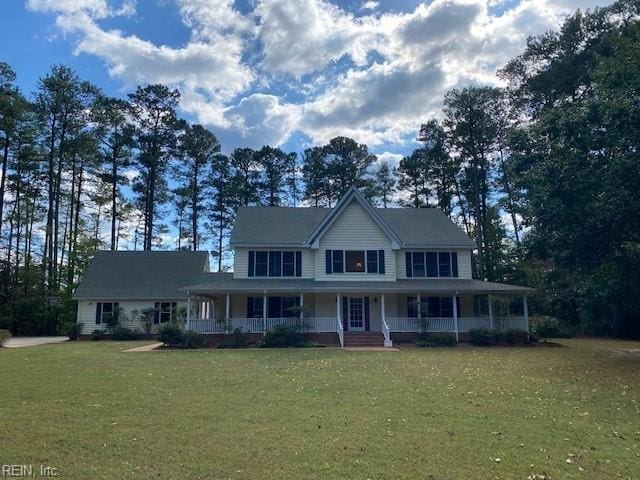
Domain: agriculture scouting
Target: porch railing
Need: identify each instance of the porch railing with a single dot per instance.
(258, 325)
(447, 324)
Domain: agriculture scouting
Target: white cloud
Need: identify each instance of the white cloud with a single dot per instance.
(311, 66)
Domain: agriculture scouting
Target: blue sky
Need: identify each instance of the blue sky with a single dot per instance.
(282, 72)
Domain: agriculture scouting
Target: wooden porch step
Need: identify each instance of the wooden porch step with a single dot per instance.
(363, 339)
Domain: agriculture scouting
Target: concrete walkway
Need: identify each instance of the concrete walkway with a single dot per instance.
(145, 348)
(18, 342)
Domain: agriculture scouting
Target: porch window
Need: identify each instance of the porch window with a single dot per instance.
(274, 263)
(254, 307)
(105, 311)
(282, 307)
(436, 307)
(165, 312)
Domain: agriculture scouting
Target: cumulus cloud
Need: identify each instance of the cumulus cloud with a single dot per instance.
(312, 67)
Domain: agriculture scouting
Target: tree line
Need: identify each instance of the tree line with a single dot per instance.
(542, 174)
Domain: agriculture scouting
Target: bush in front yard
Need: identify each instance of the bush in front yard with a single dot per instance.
(4, 336)
(73, 330)
(438, 339)
(121, 333)
(98, 334)
(191, 339)
(236, 340)
(483, 336)
(283, 336)
(515, 336)
(171, 335)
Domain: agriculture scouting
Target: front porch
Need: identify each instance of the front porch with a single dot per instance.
(391, 314)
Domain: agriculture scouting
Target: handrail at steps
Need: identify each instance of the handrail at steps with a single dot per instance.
(340, 332)
(386, 331)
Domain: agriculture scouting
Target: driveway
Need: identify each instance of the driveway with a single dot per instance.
(33, 341)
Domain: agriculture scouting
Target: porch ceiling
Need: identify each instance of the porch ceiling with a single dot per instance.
(440, 285)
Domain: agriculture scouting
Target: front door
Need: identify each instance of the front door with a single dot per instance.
(356, 314)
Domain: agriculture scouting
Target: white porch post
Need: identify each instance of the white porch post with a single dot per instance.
(491, 321)
(264, 313)
(525, 311)
(188, 310)
(455, 316)
(338, 310)
(419, 311)
(301, 307)
(227, 306)
(382, 313)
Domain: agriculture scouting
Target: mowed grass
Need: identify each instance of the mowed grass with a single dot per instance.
(93, 412)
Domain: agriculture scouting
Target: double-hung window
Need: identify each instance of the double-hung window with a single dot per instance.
(355, 261)
(107, 312)
(431, 264)
(165, 312)
(274, 263)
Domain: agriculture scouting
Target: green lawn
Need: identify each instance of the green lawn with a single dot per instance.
(92, 412)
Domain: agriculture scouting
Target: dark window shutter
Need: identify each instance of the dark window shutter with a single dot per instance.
(345, 314)
(252, 257)
(458, 307)
(338, 261)
(274, 307)
(250, 312)
(407, 257)
(372, 261)
(329, 261)
(366, 314)
(98, 313)
(454, 264)
(298, 264)
(381, 262)
(412, 310)
(156, 313)
(116, 311)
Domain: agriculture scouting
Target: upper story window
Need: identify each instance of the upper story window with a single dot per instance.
(275, 263)
(431, 264)
(355, 261)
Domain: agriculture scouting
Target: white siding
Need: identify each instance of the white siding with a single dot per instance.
(355, 230)
(241, 261)
(87, 314)
(464, 261)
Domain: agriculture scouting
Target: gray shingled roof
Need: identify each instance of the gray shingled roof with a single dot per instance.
(141, 275)
(416, 227)
(224, 283)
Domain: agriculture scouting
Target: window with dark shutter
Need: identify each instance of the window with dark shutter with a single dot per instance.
(409, 264)
(433, 307)
(156, 313)
(418, 264)
(298, 264)
(381, 262)
(412, 307)
(444, 264)
(252, 259)
(262, 261)
(328, 261)
(98, 313)
(338, 261)
(432, 264)
(288, 264)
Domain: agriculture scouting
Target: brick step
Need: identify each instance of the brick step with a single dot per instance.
(363, 339)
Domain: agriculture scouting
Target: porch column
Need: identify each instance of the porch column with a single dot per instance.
(188, 310)
(301, 307)
(455, 316)
(384, 319)
(227, 306)
(338, 309)
(491, 321)
(525, 311)
(264, 313)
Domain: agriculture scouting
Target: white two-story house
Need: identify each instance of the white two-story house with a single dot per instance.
(352, 275)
